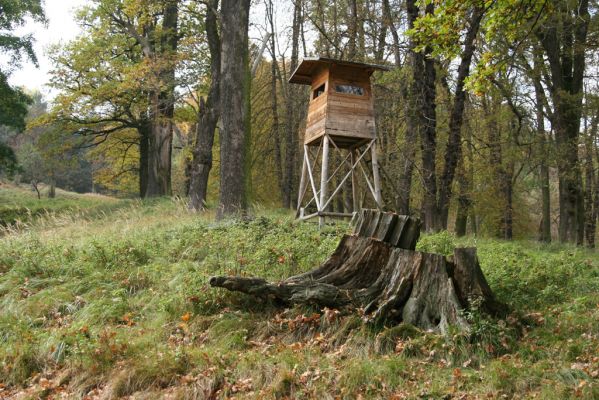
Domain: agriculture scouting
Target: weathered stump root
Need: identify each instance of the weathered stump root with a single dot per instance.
(370, 270)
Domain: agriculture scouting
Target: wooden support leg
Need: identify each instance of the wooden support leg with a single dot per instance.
(378, 197)
(324, 178)
(303, 183)
(354, 182)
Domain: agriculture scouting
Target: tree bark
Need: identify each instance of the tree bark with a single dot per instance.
(376, 270)
(502, 180)
(545, 227)
(144, 135)
(424, 115)
(234, 96)
(461, 220)
(160, 142)
(208, 116)
(453, 150)
(410, 91)
(291, 120)
(465, 182)
(389, 21)
(159, 160)
(589, 192)
(563, 38)
(274, 103)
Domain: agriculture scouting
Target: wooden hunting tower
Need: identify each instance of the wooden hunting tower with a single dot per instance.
(341, 114)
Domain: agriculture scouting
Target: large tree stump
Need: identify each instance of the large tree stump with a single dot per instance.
(376, 269)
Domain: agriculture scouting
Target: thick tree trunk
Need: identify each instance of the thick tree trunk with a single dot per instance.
(144, 148)
(163, 106)
(202, 156)
(564, 39)
(159, 161)
(453, 150)
(424, 115)
(377, 270)
(411, 92)
(234, 93)
(208, 116)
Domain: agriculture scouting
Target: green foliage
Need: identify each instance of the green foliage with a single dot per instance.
(13, 101)
(13, 104)
(8, 161)
(505, 23)
(441, 243)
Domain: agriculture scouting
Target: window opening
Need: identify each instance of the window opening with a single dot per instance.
(350, 89)
(318, 91)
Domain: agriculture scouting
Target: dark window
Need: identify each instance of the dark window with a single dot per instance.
(350, 89)
(318, 91)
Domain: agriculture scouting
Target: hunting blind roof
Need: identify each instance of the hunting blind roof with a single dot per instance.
(309, 66)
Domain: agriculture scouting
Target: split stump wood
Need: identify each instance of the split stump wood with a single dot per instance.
(377, 270)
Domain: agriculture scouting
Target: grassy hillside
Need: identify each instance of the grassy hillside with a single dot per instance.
(115, 305)
(20, 206)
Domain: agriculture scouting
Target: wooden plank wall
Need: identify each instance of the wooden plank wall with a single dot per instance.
(347, 114)
(339, 114)
(317, 110)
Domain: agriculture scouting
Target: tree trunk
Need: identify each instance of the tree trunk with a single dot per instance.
(234, 96)
(501, 173)
(563, 39)
(35, 185)
(144, 146)
(352, 30)
(202, 156)
(545, 228)
(423, 96)
(389, 21)
(208, 115)
(163, 107)
(274, 104)
(377, 270)
(508, 211)
(589, 175)
(159, 160)
(453, 150)
(595, 216)
(465, 181)
(461, 220)
(291, 125)
(52, 189)
(191, 131)
(410, 92)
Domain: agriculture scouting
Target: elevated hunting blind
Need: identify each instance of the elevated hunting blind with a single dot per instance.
(341, 115)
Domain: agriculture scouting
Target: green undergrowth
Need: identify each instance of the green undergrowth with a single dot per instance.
(118, 305)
